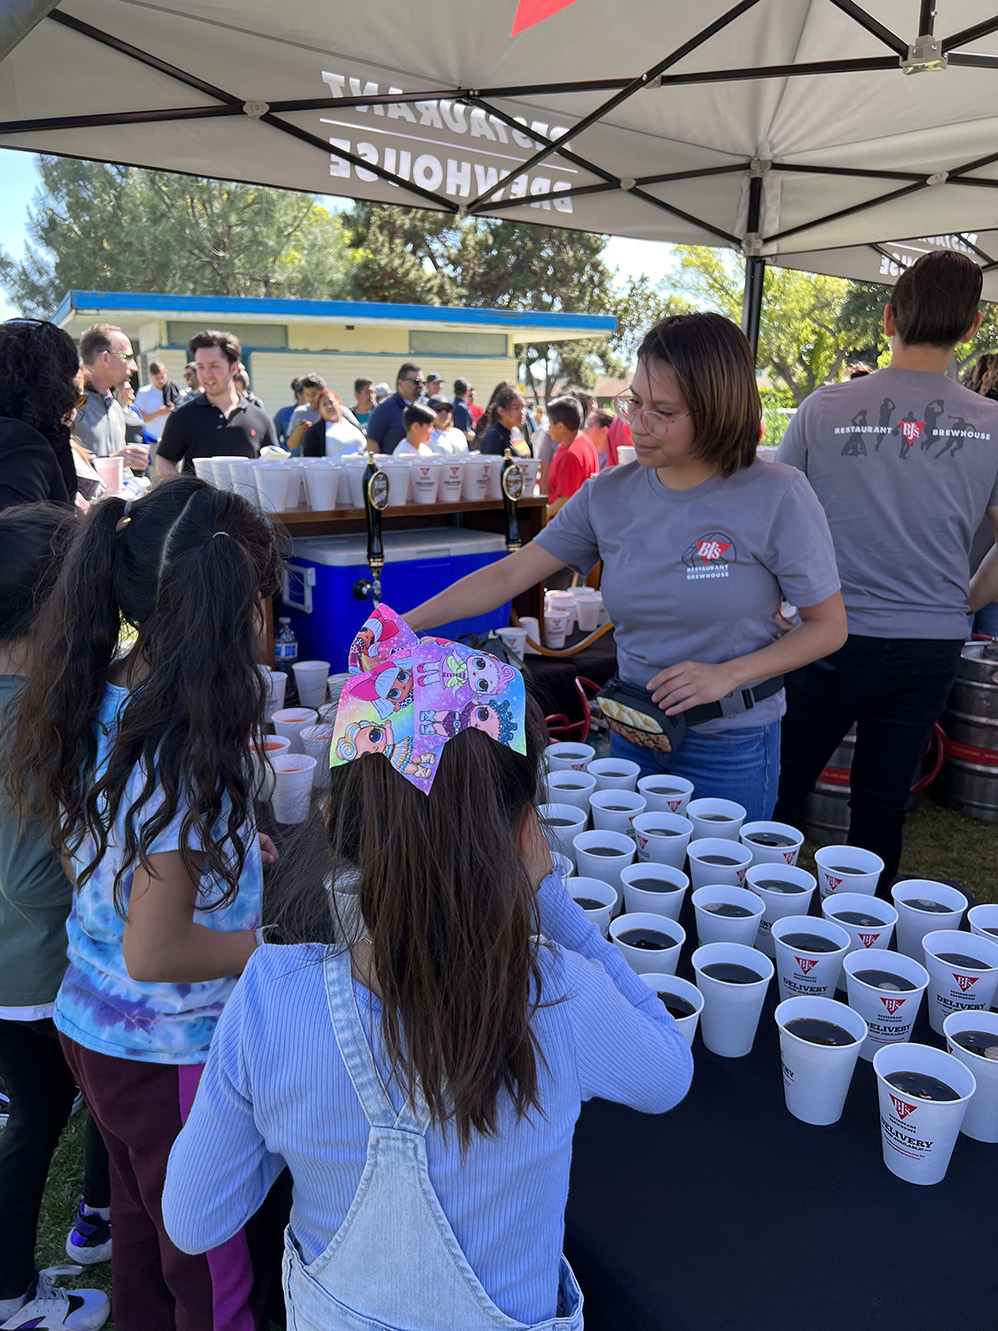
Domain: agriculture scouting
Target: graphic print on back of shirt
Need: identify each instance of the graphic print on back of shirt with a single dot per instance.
(709, 556)
(909, 429)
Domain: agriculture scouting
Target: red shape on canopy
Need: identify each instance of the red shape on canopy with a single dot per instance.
(529, 12)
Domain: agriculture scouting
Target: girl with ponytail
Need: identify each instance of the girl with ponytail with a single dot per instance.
(141, 761)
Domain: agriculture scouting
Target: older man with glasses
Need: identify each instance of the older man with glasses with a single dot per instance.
(385, 428)
(100, 423)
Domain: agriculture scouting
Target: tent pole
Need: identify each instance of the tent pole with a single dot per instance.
(755, 274)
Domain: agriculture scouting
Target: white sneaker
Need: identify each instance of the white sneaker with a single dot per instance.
(52, 1309)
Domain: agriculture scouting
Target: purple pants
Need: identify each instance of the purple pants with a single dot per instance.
(140, 1108)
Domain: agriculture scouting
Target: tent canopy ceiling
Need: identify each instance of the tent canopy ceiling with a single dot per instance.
(778, 127)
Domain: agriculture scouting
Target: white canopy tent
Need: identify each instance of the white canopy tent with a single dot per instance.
(811, 133)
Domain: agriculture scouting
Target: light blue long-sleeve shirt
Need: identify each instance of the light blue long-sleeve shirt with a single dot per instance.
(275, 1090)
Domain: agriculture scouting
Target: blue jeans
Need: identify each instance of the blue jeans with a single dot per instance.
(740, 765)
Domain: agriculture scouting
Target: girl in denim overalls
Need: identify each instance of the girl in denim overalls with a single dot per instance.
(422, 1082)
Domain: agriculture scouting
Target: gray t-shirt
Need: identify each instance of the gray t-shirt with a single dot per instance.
(905, 463)
(100, 424)
(697, 574)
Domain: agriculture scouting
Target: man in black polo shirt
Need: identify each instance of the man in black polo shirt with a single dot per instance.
(219, 422)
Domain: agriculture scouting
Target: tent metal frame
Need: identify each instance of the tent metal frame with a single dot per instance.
(615, 92)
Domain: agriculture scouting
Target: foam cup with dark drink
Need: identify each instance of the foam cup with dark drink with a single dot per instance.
(972, 1037)
(733, 979)
(727, 915)
(597, 899)
(615, 810)
(603, 854)
(662, 838)
(716, 860)
(561, 823)
(648, 942)
(923, 1094)
(654, 889)
(784, 890)
(615, 773)
(820, 1041)
(886, 989)
(665, 793)
(809, 954)
(963, 972)
(867, 920)
(570, 787)
(924, 905)
(847, 869)
(683, 1001)
(715, 818)
(564, 755)
(771, 843)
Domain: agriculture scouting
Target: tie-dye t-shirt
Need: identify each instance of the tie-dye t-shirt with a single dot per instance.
(99, 1005)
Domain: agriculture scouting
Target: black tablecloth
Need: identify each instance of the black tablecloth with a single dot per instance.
(551, 679)
(728, 1214)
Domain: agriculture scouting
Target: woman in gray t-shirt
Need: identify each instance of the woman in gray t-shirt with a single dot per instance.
(699, 543)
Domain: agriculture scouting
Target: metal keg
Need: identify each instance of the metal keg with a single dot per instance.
(969, 780)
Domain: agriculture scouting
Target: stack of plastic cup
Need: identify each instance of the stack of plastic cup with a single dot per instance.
(451, 480)
(322, 476)
(476, 479)
(272, 482)
(350, 493)
(425, 480)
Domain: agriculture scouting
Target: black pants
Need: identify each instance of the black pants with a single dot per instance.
(40, 1085)
(893, 689)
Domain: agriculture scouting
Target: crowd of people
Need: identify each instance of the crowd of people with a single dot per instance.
(422, 1081)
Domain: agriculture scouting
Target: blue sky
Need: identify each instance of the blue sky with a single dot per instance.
(18, 180)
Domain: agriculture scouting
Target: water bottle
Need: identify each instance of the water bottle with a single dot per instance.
(285, 646)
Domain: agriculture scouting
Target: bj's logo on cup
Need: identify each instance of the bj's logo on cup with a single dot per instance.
(902, 1107)
(965, 981)
(833, 883)
(868, 940)
(806, 963)
(892, 1004)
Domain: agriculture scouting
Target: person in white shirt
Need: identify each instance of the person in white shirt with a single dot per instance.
(156, 400)
(445, 437)
(418, 421)
(332, 435)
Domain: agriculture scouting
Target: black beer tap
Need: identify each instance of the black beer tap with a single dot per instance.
(376, 493)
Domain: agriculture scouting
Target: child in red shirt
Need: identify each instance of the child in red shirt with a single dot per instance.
(575, 458)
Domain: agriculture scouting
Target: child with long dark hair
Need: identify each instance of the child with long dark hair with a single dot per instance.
(35, 899)
(142, 762)
(423, 1082)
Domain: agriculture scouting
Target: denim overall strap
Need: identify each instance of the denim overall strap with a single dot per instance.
(357, 1057)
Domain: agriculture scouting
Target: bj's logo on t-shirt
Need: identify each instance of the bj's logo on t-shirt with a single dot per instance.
(709, 556)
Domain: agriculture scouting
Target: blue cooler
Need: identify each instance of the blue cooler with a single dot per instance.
(319, 581)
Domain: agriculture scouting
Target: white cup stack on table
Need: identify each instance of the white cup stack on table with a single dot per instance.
(847, 869)
(671, 988)
(204, 470)
(653, 889)
(662, 938)
(350, 492)
(322, 483)
(515, 640)
(451, 480)
(886, 989)
(293, 786)
(924, 905)
(588, 603)
(276, 683)
(727, 915)
(666, 794)
(243, 480)
(556, 629)
(273, 481)
(919, 1133)
(476, 479)
(425, 480)
(818, 1060)
(733, 979)
(615, 810)
(291, 721)
(715, 818)
(784, 890)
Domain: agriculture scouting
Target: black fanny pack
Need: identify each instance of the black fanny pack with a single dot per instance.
(631, 714)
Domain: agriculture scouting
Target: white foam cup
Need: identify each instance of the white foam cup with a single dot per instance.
(322, 481)
(731, 1011)
(804, 970)
(560, 838)
(276, 683)
(493, 464)
(272, 482)
(397, 470)
(220, 466)
(605, 867)
(296, 495)
(564, 755)
(863, 869)
(291, 721)
(243, 480)
(562, 864)
(983, 920)
(662, 838)
(888, 1008)
(955, 986)
(703, 873)
(713, 927)
(674, 987)
(451, 480)
(665, 898)
(918, 1135)
(516, 640)
(913, 924)
(204, 470)
(476, 479)
(816, 1077)
(555, 629)
(593, 889)
(292, 786)
(351, 487)
(715, 818)
(560, 600)
(771, 854)
(981, 1118)
(615, 773)
(531, 469)
(425, 480)
(876, 927)
(625, 454)
(570, 787)
(615, 810)
(660, 961)
(666, 794)
(316, 741)
(588, 604)
(112, 473)
(263, 753)
(789, 893)
(310, 679)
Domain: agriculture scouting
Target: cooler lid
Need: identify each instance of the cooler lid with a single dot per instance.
(400, 546)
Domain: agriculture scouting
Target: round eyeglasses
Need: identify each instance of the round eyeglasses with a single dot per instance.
(656, 423)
